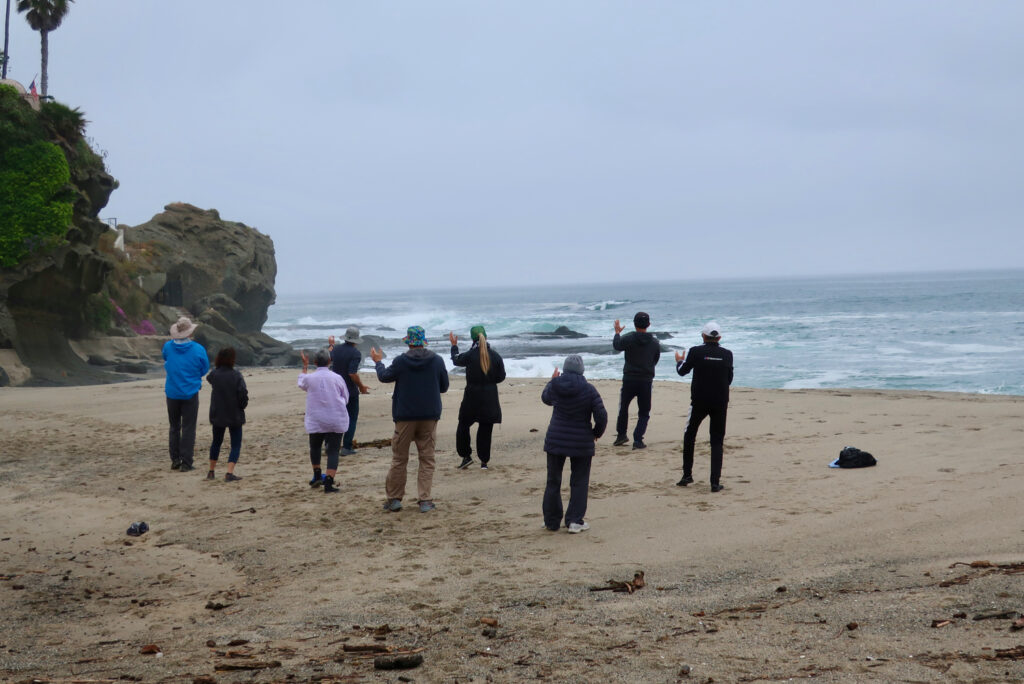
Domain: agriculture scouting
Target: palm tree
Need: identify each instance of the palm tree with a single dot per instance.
(44, 16)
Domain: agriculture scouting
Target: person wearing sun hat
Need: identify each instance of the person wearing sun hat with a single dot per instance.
(420, 378)
(186, 362)
(484, 370)
(711, 364)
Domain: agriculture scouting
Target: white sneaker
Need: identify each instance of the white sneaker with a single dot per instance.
(576, 528)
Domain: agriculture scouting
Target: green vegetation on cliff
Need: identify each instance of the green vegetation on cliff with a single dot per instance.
(40, 154)
(35, 202)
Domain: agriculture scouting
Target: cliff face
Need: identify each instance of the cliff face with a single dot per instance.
(61, 315)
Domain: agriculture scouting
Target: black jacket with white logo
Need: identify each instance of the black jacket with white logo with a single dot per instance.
(711, 364)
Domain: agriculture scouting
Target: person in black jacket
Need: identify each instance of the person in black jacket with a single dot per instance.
(571, 434)
(420, 378)
(228, 399)
(642, 353)
(711, 364)
(484, 370)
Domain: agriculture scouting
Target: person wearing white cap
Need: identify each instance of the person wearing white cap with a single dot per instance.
(712, 369)
(186, 362)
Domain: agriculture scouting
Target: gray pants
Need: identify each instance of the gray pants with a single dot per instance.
(182, 415)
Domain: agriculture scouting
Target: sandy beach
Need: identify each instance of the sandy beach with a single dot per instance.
(795, 571)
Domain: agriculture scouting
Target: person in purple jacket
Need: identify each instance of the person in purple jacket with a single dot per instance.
(578, 419)
(326, 416)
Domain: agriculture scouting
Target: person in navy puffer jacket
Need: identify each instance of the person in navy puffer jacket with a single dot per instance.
(578, 419)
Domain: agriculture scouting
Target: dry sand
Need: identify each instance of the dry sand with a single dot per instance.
(795, 571)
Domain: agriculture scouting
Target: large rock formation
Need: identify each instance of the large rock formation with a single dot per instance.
(222, 272)
(206, 262)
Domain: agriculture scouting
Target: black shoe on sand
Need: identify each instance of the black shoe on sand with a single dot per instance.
(329, 487)
(466, 462)
(717, 488)
(685, 481)
(620, 441)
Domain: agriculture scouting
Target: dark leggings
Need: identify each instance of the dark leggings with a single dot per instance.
(483, 440)
(317, 440)
(218, 439)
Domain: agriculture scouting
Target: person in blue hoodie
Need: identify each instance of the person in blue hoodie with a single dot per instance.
(186, 362)
(578, 419)
(420, 378)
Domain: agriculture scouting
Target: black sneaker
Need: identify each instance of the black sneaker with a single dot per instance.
(639, 445)
(483, 466)
(717, 488)
(211, 476)
(185, 467)
(620, 441)
(329, 487)
(685, 481)
(231, 477)
(175, 465)
(466, 462)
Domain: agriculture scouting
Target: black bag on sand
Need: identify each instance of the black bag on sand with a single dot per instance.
(852, 457)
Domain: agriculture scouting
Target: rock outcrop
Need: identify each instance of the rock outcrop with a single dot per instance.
(221, 272)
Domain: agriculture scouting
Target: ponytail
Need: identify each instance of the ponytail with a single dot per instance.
(485, 355)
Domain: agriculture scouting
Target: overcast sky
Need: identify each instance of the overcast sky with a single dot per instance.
(388, 145)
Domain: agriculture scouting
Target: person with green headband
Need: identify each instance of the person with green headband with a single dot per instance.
(484, 370)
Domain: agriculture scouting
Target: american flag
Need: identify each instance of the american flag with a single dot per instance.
(32, 89)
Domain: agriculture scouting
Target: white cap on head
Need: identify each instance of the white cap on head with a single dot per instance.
(711, 329)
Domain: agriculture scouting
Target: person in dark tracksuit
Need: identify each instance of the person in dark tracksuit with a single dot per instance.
(345, 360)
(484, 370)
(642, 353)
(571, 434)
(712, 369)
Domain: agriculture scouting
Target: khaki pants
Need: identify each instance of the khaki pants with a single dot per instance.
(407, 431)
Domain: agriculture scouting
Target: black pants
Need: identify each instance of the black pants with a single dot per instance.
(317, 440)
(353, 416)
(182, 415)
(698, 413)
(579, 485)
(641, 390)
(483, 440)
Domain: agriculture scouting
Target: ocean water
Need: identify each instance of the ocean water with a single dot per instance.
(960, 332)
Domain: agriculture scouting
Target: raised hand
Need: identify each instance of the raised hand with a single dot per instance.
(305, 361)
(453, 338)
(680, 356)
(555, 374)
(376, 354)
(618, 327)
(330, 342)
